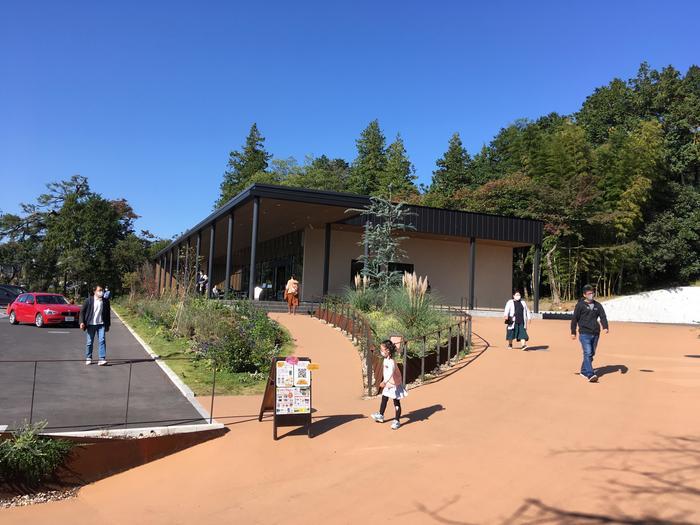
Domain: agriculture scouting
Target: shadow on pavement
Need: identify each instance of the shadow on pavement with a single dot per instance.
(422, 414)
(611, 369)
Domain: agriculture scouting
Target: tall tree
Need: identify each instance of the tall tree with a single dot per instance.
(370, 164)
(243, 166)
(397, 179)
(452, 171)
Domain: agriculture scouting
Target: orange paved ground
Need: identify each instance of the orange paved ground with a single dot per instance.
(510, 428)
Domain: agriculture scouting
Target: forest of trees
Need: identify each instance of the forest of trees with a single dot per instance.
(617, 184)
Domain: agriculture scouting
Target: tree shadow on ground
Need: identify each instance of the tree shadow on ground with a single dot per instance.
(611, 369)
(637, 476)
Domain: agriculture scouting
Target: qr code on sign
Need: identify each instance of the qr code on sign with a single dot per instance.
(301, 373)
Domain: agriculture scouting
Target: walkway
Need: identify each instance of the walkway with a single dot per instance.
(72, 396)
(512, 436)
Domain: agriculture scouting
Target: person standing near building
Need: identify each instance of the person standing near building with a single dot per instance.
(95, 319)
(291, 295)
(516, 316)
(586, 316)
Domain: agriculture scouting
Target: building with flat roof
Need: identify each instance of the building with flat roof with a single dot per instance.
(267, 233)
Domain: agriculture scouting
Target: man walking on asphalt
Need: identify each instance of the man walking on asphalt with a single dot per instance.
(586, 315)
(95, 318)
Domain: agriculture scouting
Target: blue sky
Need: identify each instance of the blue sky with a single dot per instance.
(146, 99)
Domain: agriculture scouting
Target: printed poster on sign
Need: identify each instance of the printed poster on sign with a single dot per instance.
(285, 374)
(302, 375)
(285, 401)
(302, 400)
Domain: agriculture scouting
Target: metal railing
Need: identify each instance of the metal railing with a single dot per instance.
(111, 390)
(454, 340)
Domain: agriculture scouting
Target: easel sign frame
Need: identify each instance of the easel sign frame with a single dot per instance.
(288, 394)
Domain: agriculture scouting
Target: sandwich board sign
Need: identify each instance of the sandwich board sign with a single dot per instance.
(288, 393)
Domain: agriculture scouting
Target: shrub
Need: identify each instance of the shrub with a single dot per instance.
(236, 337)
(364, 300)
(28, 458)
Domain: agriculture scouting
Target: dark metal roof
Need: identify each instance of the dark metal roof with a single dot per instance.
(437, 221)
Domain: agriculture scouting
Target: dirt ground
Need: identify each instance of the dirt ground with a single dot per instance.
(512, 437)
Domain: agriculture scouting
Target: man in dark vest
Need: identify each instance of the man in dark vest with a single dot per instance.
(95, 318)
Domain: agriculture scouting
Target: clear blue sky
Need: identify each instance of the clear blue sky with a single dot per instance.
(146, 99)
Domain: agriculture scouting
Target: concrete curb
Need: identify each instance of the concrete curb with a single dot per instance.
(141, 432)
(182, 387)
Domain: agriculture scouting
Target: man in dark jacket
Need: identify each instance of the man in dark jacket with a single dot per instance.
(95, 318)
(586, 315)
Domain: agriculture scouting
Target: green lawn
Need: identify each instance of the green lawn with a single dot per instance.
(195, 374)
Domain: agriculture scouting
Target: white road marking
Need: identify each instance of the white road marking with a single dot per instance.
(56, 332)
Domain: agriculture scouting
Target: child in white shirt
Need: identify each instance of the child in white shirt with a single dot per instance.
(392, 385)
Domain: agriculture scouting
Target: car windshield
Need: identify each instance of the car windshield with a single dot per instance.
(51, 299)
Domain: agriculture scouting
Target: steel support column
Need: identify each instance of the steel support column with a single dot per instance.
(229, 255)
(170, 270)
(210, 262)
(536, 279)
(472, 271)
(177, 268)
(326, 258)
(253, 247)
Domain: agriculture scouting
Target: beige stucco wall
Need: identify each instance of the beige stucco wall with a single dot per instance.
(312, 270)
(494, 275)
(446, 263)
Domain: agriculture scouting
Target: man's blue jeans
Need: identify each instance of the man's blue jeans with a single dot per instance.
(589, 342)
(92, 330)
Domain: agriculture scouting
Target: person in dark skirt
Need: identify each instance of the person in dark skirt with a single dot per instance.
(517, 316)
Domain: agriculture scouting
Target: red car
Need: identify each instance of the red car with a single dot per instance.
(43, 309)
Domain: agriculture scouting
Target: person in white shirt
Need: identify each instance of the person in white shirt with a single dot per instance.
(517, 316)
(392, 385)
(95, 320)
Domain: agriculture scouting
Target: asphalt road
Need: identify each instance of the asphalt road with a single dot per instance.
(72, 396)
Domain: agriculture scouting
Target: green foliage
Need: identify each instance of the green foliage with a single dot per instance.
(452, 173)
(320, 173)
(72, 238)
(382, 237)
(239, 337)
(243, 166)
(415, 319)
(364, 299)
(369, 166)
(398, 177)
(29, 459)
(672, 239)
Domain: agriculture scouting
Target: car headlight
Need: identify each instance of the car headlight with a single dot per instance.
(49, 311)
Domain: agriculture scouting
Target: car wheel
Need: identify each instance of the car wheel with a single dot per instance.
(13, 318)
(39, 321)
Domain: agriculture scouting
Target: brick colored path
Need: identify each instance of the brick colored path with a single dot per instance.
(514, 437)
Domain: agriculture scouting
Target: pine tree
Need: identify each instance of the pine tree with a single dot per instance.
(244, 165)
(453, 169)
(370, 164)
(399, 175)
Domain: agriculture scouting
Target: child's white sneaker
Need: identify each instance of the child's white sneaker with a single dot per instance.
(395, 425)
(377, 417)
